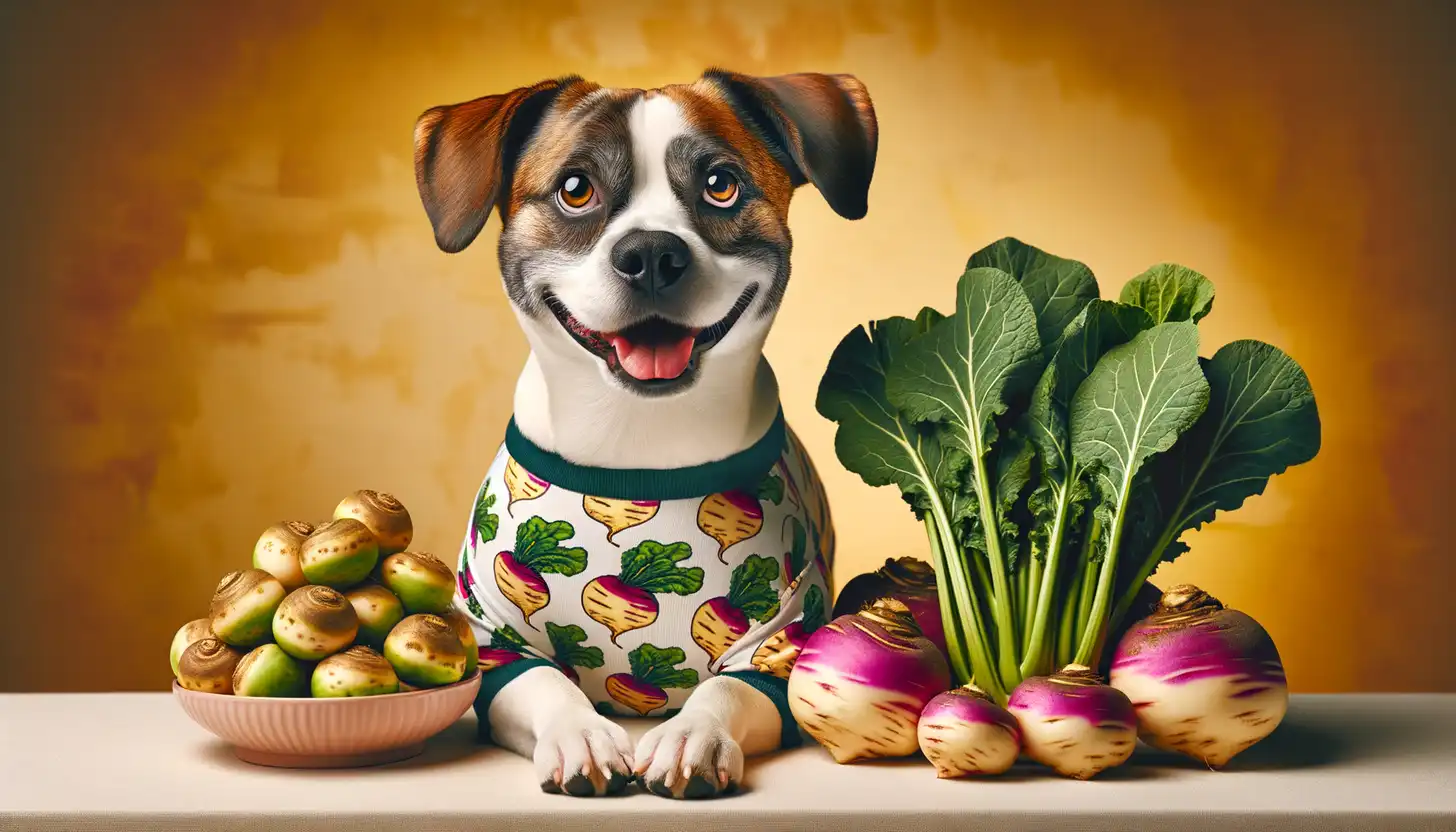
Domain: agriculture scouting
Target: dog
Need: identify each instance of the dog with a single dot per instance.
(651, 539)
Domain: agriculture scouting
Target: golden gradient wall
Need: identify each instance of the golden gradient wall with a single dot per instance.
(225, 308)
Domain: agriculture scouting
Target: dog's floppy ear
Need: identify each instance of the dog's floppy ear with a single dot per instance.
(464, 155)
(823, 128)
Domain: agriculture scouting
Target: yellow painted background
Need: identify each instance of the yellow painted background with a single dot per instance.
(223, 305)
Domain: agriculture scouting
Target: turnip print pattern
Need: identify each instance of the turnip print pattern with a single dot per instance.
(777, 655)
(626, 601)
(619, 515)
(654, 670)
(522, 485)
(720, 622)
(538, 552)
(505, 646)
(732, 517)
(567, 650)
(484, 523)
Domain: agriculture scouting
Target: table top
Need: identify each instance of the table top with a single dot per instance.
(125, 761)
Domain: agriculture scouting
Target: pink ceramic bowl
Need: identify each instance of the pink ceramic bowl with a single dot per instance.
(329, 733)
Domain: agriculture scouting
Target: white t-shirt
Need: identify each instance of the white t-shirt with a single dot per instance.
(640, 584)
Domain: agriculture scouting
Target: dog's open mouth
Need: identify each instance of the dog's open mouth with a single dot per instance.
(654, 351)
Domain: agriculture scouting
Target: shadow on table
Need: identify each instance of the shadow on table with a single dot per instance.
(1320, 739)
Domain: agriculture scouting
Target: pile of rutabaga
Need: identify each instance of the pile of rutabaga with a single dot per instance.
(332, 609)
(1056, 446)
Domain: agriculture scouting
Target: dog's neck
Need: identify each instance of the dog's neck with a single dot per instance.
(576, 413)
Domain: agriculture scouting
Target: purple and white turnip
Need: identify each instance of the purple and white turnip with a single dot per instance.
(963, 732)
(1073, 723)
(910, 581)
(862, 680)
(1206, 681)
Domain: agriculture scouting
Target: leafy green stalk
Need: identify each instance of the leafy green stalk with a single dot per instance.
(959, 375)
(1136, 402)
(876, 442)
(1260, 421)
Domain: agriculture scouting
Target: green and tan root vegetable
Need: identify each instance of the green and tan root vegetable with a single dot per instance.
(358, 671)
(964, 732)
(189, 634)
(314, 622)
(385, 517)
(426, 651)
(378, 611)
(276, 552)
(861, 681)
(1073, 723)
(207, 666)
(1206, 681)
(1057, 446)
(243, 606)
(466, 633)
(422, 581)
(339, 554)
(268, 671)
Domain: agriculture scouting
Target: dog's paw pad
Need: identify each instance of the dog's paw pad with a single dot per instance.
(579, 785)
(700, 787)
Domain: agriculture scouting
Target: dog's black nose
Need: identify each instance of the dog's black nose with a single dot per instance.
(651, 261)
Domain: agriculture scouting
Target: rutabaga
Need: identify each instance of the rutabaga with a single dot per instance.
(1206, 681)
(862, 680)
(1073, 723)
(1057, 446)
(964, 732)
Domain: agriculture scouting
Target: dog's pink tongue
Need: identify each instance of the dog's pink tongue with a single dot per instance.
(646, 362)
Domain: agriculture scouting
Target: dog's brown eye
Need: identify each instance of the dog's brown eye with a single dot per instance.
(576, 193)
(721, 188)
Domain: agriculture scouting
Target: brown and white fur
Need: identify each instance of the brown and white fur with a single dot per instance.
(655, 161)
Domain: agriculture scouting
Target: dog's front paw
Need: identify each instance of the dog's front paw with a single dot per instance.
(691, 756)
(583, 754)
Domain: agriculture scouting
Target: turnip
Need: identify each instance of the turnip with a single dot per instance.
(653, 671)
(426, 651)
(909, 580)
(1073, 722)
(627, 601)
(314, 622)
(777, 655)
(339, 553)
(568, 652)
(268, 671)
(720, 622)
(521, 485)
(378, 610)
(538, 551)
(1206, 681)
(466, 632)
(188, 635)
(963, 731)
(384, 515)
(358, 671)
(242, 607)
(276, 552)
(422, 581)
(506, 646)
(732, 517)
(861, 681)
(619, 515)
(207, 666)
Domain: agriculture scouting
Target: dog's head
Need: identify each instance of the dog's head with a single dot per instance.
(646, 232)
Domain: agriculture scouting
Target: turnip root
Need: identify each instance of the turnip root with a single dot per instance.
(1205, 681)
(619, 515)
(861, 681)
(538, 552)
(730, 518)
(653, 671)
(720, 622)
(909, 580)
(963, 731)
(777, 655)
(1073, 722)
(627, 601)
(521, 485)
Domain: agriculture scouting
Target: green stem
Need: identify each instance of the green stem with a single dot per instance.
(1145, 571)
(955, 641)
(1066, 626)
(1037, 638)
(1000, 584)
(1096, 622)
(1030, 596)
(983, 670)
(1088, 584)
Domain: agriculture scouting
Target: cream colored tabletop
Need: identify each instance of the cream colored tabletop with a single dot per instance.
(122, 762)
